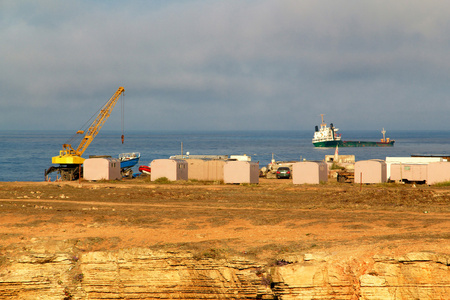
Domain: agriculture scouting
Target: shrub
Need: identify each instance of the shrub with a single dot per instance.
(335, 166)
(444, 183)
(211, 253)
(163, 180)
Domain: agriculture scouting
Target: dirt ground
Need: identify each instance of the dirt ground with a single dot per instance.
(271, 218)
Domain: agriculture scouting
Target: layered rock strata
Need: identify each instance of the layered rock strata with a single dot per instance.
(421, 275)
(63, 272)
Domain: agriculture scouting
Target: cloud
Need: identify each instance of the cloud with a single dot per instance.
(225, 65)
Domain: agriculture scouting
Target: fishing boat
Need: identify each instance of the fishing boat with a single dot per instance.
(128, 161)
(145, 170)
(327, 137)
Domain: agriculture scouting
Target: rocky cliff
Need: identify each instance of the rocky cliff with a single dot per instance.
(420, 275)
(63, 271)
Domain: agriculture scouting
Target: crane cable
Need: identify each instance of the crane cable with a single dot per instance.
(123, 113)
(85, 127)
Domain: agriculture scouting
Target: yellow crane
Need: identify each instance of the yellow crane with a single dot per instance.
(69, 159)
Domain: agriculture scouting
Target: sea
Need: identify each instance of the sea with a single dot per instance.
(25, 155)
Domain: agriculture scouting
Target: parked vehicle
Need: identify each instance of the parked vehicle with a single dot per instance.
(283, 172)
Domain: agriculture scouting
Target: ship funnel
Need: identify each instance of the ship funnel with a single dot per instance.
(331, 125)
(317, 128)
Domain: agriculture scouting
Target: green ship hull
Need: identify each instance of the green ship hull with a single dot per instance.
(327, 137)
(333, 144)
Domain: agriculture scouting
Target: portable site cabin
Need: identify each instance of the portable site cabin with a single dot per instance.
(311, 172)
(206, 169)
(101, 169)
(241, 172)
(172, 169)
(438, 172)
(409, 172)
(370, 171)
(408, 161)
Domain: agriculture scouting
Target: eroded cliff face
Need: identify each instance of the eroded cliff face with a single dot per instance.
(61, 271)
(420, 275)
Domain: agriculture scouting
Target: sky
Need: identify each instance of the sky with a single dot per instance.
(226, 65)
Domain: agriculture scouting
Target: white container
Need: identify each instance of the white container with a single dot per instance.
(205, 169)
(438, 172)
(244, 157)
(172, 169)
(409, 160)
(309, 172)
(241, 172)
(409, 172)
(370, 171)
(101, 169)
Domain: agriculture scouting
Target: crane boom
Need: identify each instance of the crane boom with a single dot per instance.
(71, 158)
(99, 121)
(95, 127)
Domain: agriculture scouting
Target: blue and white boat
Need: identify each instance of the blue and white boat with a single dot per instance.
(127, 162)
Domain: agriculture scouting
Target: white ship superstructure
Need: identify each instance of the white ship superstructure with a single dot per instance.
(325, 133)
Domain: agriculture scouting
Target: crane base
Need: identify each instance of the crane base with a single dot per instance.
(66, 172)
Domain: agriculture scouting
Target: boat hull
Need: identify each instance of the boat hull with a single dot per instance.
(333, 144)
(145, 169)
(129, 163)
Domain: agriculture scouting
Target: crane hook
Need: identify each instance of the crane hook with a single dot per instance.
(123, 137)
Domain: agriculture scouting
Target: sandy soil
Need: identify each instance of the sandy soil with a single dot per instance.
(262, 220)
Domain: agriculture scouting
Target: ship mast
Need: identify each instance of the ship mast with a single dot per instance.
(384, 135)
(323, 124)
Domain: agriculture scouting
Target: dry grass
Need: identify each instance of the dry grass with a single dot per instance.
(215, 219)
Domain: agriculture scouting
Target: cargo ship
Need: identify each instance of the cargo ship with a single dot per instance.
(327, 137)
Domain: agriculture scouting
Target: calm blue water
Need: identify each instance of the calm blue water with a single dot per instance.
(25, 155)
